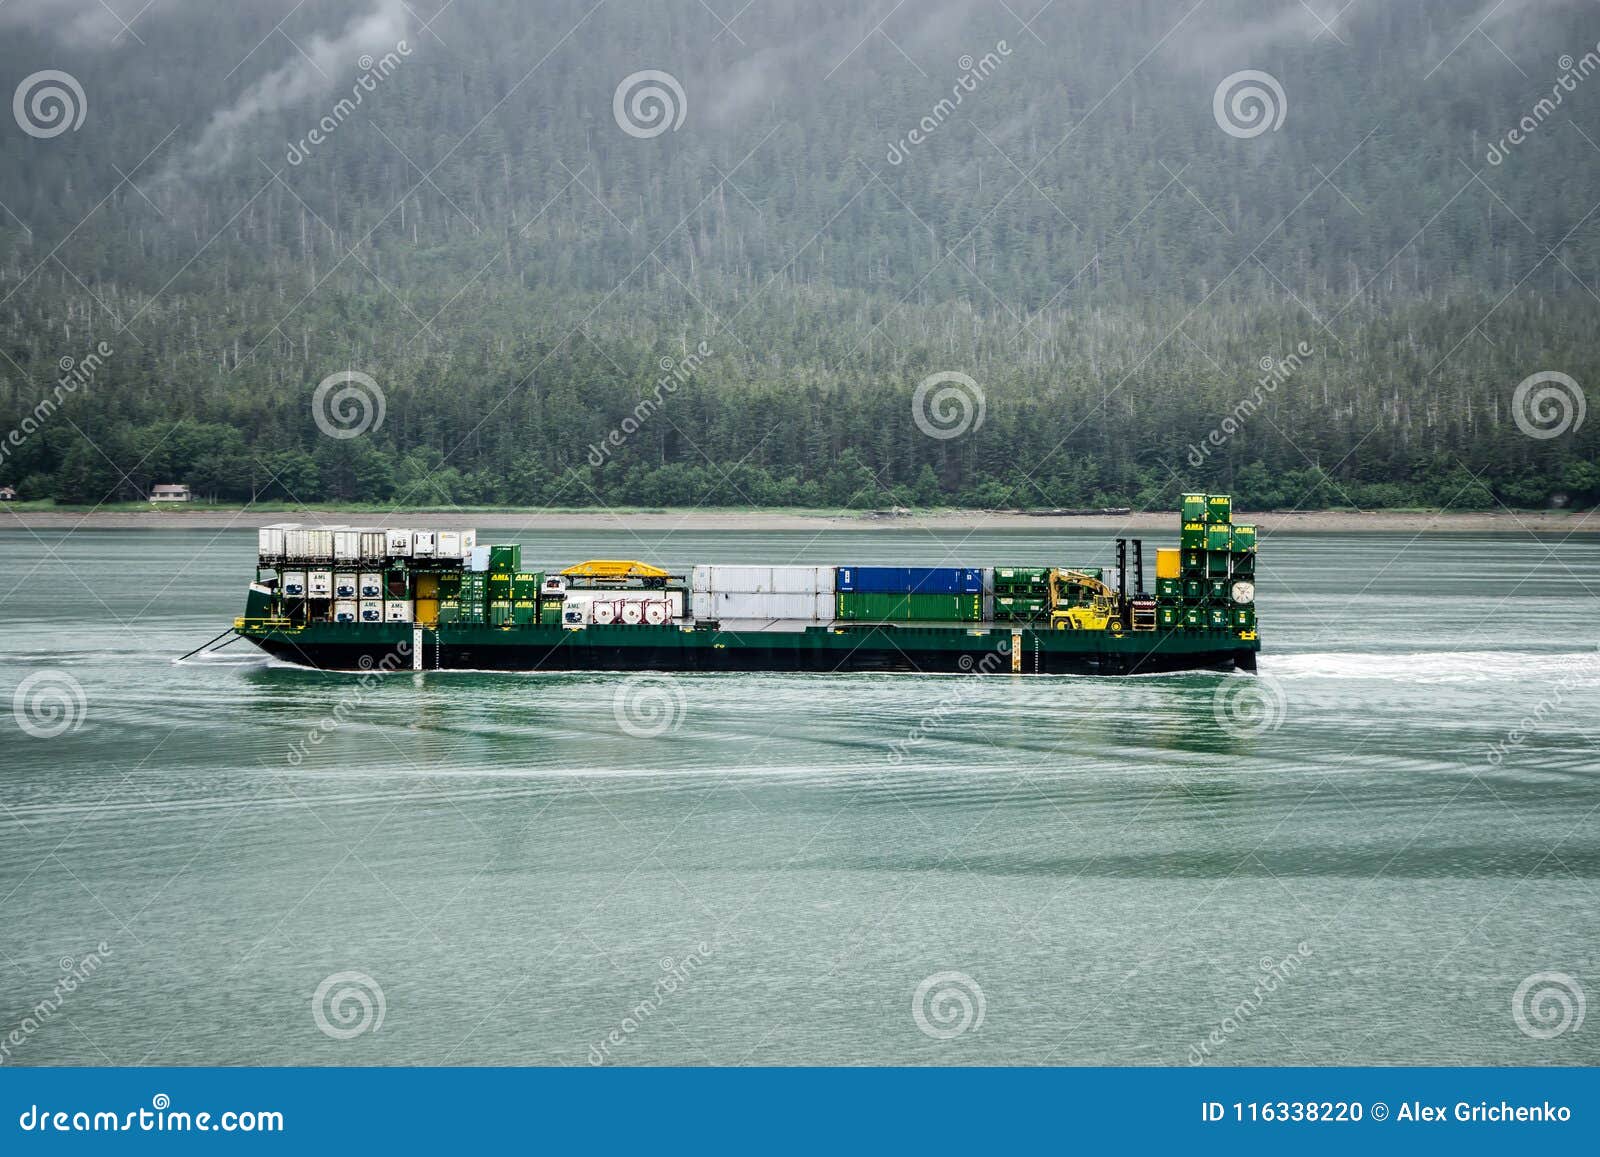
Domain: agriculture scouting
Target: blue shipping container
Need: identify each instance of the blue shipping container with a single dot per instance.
(920, 580)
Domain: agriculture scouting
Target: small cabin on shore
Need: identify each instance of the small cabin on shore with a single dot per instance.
(170, 492)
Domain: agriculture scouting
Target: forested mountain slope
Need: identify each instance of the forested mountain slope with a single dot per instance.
(1080, 235)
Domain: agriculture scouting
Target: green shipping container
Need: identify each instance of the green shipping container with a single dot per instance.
(1244, 539)
(1217, 617)
(893, 608)
(1194, 508)
(500, 614)
(1020, 576)
(1219, 537)
(1006, 607)
(1217, 566)
(550, 612)
(1194, 589)
(1219, 509)
(526, 585)
(1244, 566)
(1193, 536)
(1218, 590)
(525, 611)
(506, 557)
(1194, 561)
(1169, 616)
(1244, 618)
(1169, 588)
(1193, 617)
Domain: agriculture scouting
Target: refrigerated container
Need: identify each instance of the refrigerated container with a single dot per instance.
(371, 610)
(370, 585)
(319, 584)
(397, 610)
(344, 611)
(344, 586)
(398, 544)
(293, 584)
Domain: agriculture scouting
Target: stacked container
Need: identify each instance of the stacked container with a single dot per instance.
(909, 594)
(761, 593)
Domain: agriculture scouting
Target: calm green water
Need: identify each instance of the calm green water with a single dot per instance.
(1110, 862)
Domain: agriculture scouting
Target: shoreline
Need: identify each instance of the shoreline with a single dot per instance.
(1298, 522)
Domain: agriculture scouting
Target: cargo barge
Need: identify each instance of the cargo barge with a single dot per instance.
(353, 598)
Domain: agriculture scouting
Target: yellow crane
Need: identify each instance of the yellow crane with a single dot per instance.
(1093, 609)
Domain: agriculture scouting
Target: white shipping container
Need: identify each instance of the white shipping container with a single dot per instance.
(346, 544)
(344, 611)
(319, 584)
(297, 544)
(399, 543)
(344, 586)
(321, 543)
(761, 605)
(423, 543)
(469, 542)
(271, 540)
(372, 610)
(478, 559)
(700, 605)
(807, 580)
(827, 607)
(294, 584)
(371, 586)
(449, 544)
(397, 611)
(374, 544)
